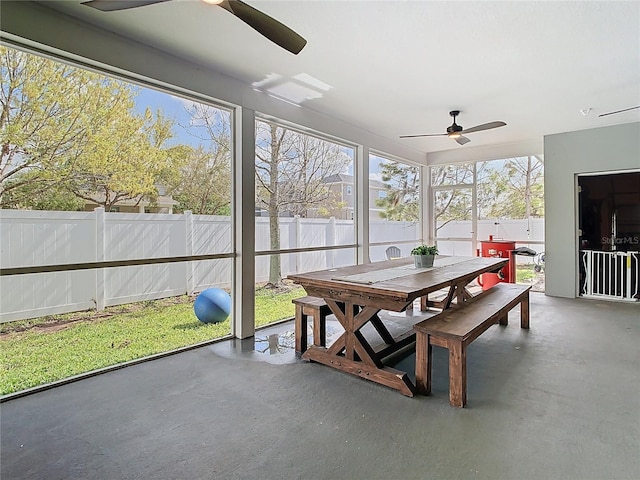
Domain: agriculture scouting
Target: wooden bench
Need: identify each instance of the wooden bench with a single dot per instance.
(317, 309)
(457, 327)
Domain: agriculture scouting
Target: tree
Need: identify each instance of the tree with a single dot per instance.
(290, 169)
(510, 188)
(30, 197)
(204, 183)
(402, 184)
(452, 204)
(513, 188)
(124, 157)
(526, 185)
(66, 128)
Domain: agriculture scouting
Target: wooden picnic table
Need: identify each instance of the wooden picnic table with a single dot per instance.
(357, 293)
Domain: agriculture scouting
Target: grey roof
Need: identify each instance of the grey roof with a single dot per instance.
(345, 178)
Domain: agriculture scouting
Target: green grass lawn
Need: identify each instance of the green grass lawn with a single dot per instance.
(525, 273)
(34, 352)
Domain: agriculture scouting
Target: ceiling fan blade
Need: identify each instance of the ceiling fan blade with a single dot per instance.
(462, 140)
(425, 135)
(272, 29)
(484, 126)
(114, 5)
(262, 23)
(618, 111)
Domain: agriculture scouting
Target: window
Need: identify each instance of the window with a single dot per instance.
(145, 147)
(299, 182)
(453, 208)
(498, 199)
(456, 174)
(511, 188)
(394, 206)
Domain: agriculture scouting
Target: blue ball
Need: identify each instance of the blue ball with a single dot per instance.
(213, 305)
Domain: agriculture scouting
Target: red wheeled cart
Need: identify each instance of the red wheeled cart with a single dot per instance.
(498, 249)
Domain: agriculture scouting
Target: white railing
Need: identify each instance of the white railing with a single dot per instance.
(610, 275)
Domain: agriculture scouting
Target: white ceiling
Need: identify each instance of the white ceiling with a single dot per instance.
(399, 67)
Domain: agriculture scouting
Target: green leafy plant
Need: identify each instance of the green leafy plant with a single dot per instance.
(425, 250)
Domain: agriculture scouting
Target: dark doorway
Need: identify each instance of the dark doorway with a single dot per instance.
(609, 235)
(609, 218)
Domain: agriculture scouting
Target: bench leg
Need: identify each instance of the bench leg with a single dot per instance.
(423, 363)
(300, 325)
(319, 329)
(524, 311)
(457, 374)
(504, 320)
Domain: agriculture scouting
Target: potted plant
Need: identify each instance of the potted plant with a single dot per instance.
(423, 255)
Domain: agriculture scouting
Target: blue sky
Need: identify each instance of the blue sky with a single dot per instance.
(176, 108)
(172, 107)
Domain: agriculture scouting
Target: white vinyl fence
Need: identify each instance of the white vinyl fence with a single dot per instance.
(35, 238)
(526, 233)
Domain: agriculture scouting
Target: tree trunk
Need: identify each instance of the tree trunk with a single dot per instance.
(275, 270)
(275, 273)
(527, 190)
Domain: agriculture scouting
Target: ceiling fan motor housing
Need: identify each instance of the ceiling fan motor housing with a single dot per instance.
(454, 127)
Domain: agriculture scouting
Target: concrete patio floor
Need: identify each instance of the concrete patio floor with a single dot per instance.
(560, 401)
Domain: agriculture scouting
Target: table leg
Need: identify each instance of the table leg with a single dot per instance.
(466, 293)
(360, 318)
(424, 303)
(348, 324)
(446, 303)
(382, 330)
(359, 357)
(460, 294)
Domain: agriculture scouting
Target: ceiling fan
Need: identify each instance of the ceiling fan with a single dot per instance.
(618, 111)
(272, 29)
(455, 131)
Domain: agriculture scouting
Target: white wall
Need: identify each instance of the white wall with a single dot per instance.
(566, 155)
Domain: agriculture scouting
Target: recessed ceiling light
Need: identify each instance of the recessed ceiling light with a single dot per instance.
(312, 81)
(296, 90)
